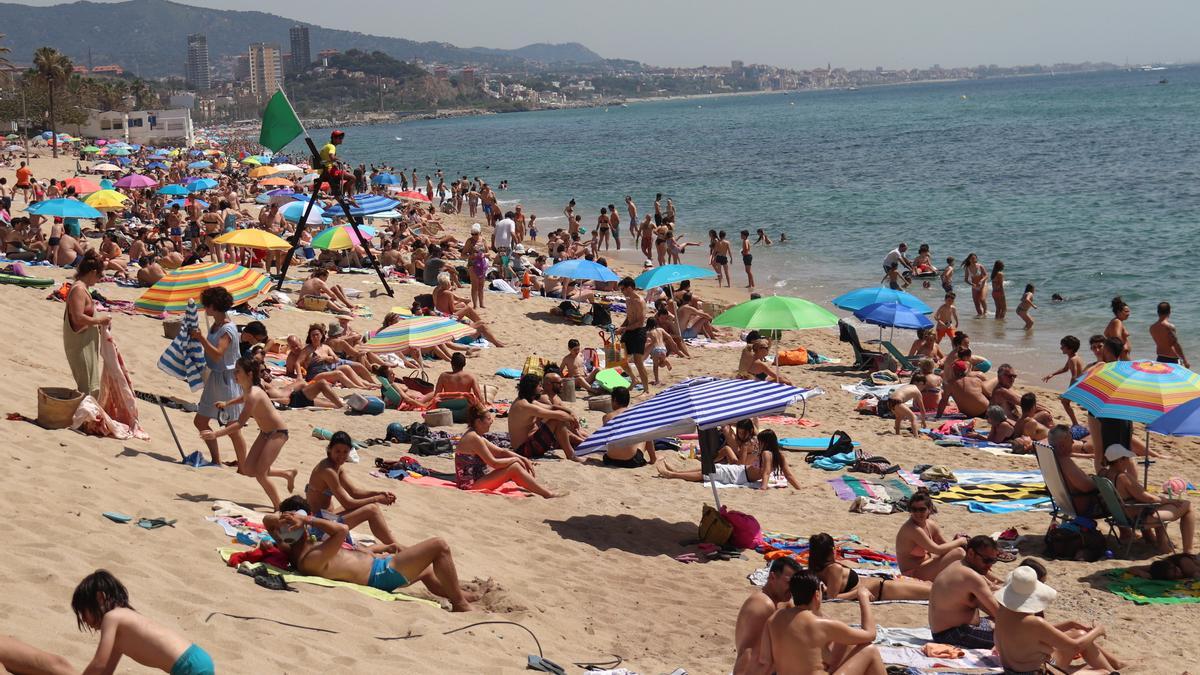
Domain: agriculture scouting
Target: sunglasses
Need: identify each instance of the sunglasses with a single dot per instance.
(988, 561)
(918, 509)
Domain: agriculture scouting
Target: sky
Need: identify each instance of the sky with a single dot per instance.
(790, 33)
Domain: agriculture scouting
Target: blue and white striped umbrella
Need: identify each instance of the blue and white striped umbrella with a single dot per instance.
(698, 403)
(364, 205)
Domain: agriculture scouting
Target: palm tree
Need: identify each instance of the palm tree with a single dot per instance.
(54, 68)
(141, 92)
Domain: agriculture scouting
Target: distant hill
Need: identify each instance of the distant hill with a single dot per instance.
(149, 37)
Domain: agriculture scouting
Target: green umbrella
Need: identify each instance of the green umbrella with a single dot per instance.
(777, 312)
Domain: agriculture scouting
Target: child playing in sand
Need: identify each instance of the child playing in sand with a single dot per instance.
(102, 604)
(1074, 365)
(572, 366)
(901, 396)
(272, 432)
(657, 337)
(1025, 305)
(946, 318)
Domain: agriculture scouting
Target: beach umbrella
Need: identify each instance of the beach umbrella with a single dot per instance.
(1134, 391)
(13, 148)
(89, 149)
(385, 215)
(253, 238)
(417, 333)
(182, 203)
(123, 161)
(117, 152)
(106, 184)
(275, 181)
(104, 167)
(136, 181)
(156, 157)
(894, 315)
(201, 185)
(106, 200)
(776, 312)
(172, 190)
(307, 179)
(252, 161)
(295, 211)
(1182, 420)
(263, 171)
(384, 179)
(862, 297)
(202, 164)
(341, 237)
(12, 136)
(412, 195)
(581, 269)
(697, 403)
(665, 275)
(172, 293)
(287, 168)
(82, 185)
(64, 208)
(364, 205)
(156, 165)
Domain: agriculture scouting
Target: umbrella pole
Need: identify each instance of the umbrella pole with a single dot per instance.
(171, 428)
(1146, 462)
(712, 480)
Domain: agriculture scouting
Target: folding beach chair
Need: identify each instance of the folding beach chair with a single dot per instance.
(901, 358)
(863, 359)
(1060, 495)
(1117, 517)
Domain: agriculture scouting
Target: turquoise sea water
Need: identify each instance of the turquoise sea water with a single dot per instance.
(1085, 185)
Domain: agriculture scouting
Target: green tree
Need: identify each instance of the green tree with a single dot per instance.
(54, 68)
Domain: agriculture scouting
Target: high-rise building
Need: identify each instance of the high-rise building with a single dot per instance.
(301, 50)
(266, 69)
(467, 78)
(197, 72)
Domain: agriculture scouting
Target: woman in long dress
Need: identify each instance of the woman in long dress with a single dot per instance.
(81, 326)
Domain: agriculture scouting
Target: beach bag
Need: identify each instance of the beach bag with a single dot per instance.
(601, 316)
(418, 430)
(876, 465)
(747, 533)
(365, 405)
(714, 528)
(418, 384)
(430, 446)
(839, 443)
(313, 303)
(535, 365)
(1075, 542)
(793, 357)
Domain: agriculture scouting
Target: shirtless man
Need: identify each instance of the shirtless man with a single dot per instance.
(633, 216)
(1084, 495)
(1002, 393)
(720, 261)
(149, 271)
(966, 392)
(633, 331)
(317, 285)
(1029, 424)
(535, 428)
(1166, 341)
(69, 251)
(959, 592)
(385, 567)
(757, 609)
(630, 456)
(799, 640)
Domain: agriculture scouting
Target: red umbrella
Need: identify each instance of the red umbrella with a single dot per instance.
(413, 195)
(82, 185)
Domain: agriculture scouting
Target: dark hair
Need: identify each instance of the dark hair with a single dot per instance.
(922, 495)
(980, 542)
(997, 267)
(803, 586)
(1115, 345)
(788, 562)
(255, 328)
(217, 298)
(1117, 305)
(1028, 401)
(1070, 342)
(339, 438)
(457, 362)
(572, 343)
(97, 595)
(1096, 339)
(90, 263)
(958, 338)
(527, 386)
(627, 282)
(752, 336)
(248, 364)
(620, 397)
(1029, 288)
(1164, 309)
(820, 552)
(1035, 565)
(950, 260)
(297, 502)
(769, 442)
(651, 324)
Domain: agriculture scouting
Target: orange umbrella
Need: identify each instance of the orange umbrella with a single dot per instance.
(276, 181)
(83, 186)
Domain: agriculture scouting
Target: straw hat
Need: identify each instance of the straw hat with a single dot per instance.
(1116, 451)
(1023, 593)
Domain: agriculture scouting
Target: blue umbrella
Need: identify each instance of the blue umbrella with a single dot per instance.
(173, 190)
(196, 153)
(64, 208)
(106, 184)
(1182, 420)
(581, 269)
(156, 165)
(122, 160)
(702, 402)
(202, 164)
(862, 297)
(202, 185)
(295, 211)
(47, 135)
(894, 315)
(671, 274)
(181, 203)
(384, 179)
(364, 205)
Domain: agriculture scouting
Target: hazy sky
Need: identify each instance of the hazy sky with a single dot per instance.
(796, 33)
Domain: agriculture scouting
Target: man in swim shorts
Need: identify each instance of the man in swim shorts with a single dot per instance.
(535, 428)
(959, 592)
(747, 258)
(633, 331)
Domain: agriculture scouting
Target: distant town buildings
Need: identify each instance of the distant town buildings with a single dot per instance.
(197, 72)
(301, 49)
(266, 69)
(147, 127)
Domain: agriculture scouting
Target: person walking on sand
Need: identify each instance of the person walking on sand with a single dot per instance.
(633, 332)
(747, 258)
(1166, 340)
(272, 432)
(975, 274)
(81, 326)
(998, 297)
(220, 358)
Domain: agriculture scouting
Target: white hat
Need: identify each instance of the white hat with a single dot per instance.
(1116, 451)
(519, 249)
(476, 228)
(1023, 593)
(646, 264)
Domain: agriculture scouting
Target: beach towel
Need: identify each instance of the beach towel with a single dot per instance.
(1152, 591)
(850, 487)
(849, 549)
(975, 477)
(992, 492)
(834, 462)
(184, 357)
(806, 443)
(510, 373)
(293, 578)
(509, 489)
(116, 389)
(975, 660)
(1011, 506)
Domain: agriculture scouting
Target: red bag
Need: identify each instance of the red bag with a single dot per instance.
(747, 533)
(415, 382)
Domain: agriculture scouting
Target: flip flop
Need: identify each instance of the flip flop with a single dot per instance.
(117, 517)
(155, 523)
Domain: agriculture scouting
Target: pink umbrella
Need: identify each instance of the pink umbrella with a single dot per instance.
(136, 181)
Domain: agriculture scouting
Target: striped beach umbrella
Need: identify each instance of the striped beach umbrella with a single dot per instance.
(418, 332)
(253, 238)
(698, 403)
(340, 237)
(1135, 391)
(364, 205)
(172, 293)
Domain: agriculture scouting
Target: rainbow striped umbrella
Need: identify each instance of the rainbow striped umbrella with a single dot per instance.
(418, 332)
(172, 292)
(340, 237)
(1136, 391)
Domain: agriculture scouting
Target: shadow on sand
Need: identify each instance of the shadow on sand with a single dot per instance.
(641, 536)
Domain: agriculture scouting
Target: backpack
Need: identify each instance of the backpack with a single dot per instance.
(418, 430)
(425, 446)
(747, 533)
(714, 528)
(1073, 542)
(601, 316)
(839, 443)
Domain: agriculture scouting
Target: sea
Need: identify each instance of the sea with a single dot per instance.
(1085, 185)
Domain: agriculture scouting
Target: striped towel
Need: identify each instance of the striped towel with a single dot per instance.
(184, 357)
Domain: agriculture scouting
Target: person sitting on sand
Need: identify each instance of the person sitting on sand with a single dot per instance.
(959, 592)
(759, 369)
(897, 404)
(1120, 470)
(573, 367)
(822, 561)
(101, 603)
(627, 456)
(329, 480)
(1027, 642)
(480, 464)
(1002, 428)
(747, 358)
(694, 321)
(317, 286)
(450, 305)
(457, 383)
(757, 464)
(19, 657)
(1029, 424)
(966, 392)
(757, 609)
(320, 361)
(932, 393)
(385, 566)
(272, 431)
(535, 428)
(921, 549)
(925, 346)
(800, 640)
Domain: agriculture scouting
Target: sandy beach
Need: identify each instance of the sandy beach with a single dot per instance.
(592, 575)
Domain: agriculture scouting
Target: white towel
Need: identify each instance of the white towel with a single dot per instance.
(184, 357)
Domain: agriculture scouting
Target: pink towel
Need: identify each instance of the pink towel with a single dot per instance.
(509, 489)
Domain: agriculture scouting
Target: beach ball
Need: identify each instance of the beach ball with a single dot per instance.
(1175, 486)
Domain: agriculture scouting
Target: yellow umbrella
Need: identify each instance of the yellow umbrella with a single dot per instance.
(106, 200)
(263, 171)
(253, 238)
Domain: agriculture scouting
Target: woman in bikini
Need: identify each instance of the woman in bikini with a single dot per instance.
(758, 460)
(921, 550)
(480, 464)
(320, 362)
(602, 231)
(272, 432)
(997, 279)
(975, 274)
(759, 369)
(661, 234)
(328, 480)
(842, 582)
(1116, 328)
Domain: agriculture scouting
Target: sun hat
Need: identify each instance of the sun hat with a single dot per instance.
(1023, 593)
(646, 264)
(519, 249)
(1116, 451)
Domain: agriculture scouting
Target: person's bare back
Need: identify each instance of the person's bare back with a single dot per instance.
(142, 640)
(798, 640)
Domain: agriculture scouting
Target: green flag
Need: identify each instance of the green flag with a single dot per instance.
(280, 125)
